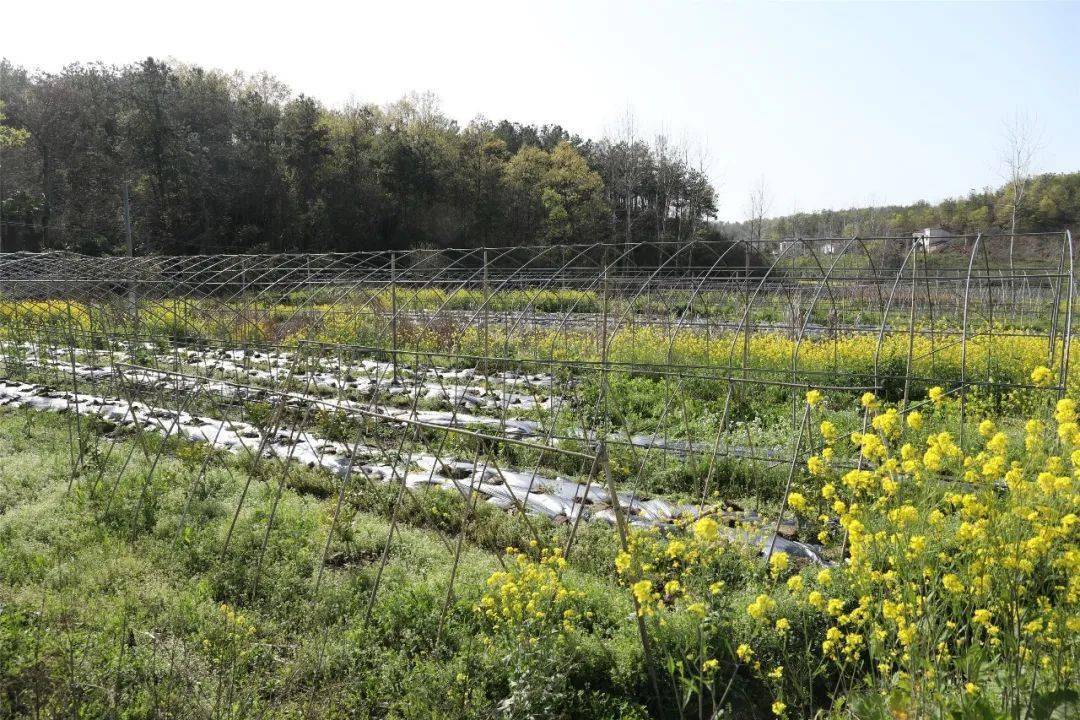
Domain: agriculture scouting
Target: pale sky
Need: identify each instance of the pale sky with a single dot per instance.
(833, 104)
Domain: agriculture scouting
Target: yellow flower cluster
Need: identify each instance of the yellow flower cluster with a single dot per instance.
(529, 600)
(1042, 376)
(946, 547)
(660, 568)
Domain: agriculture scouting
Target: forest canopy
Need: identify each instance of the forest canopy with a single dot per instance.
(227, 162)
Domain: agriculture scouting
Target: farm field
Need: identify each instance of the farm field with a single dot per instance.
(825, 478)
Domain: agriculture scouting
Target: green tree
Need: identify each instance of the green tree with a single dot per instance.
(572, 197)
(10, 137)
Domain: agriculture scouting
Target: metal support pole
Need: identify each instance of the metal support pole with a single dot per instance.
(393, 315)
(127, 222)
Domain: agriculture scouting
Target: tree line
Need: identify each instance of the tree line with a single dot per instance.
(1041, 203)
(227, 162)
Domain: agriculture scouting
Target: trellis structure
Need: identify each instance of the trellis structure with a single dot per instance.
(578, 304)
(556, 382)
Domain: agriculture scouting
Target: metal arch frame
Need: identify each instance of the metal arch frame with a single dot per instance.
(237, 282)
(964, 340)
(885, 315)
(743, 322)
(824, 283)
(1067, 341)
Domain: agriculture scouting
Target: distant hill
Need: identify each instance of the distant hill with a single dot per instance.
(1050, 202)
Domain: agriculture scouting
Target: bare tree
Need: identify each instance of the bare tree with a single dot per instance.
(682, 202)
(631, 167)
(1023, 140)
(702, 160)
(756, 210)
(665, 166)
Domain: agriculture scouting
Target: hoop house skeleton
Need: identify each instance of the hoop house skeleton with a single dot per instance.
(606, 383)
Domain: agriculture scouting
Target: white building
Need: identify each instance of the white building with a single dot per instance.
(789, 247)
(801, 247)
(932, 239)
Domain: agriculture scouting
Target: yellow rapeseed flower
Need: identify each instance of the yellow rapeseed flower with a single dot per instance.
(1065, 411)
(761, 607)
(706, 529)
(828, 431)
(1042, 376)
(778, 563)
(952, 583)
